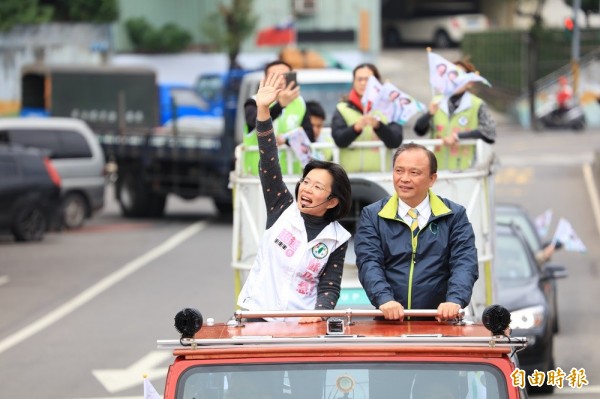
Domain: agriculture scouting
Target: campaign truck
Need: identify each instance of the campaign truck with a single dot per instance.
(472, 187)
(348, 356)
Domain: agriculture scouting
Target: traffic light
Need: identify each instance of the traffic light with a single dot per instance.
(569, 25)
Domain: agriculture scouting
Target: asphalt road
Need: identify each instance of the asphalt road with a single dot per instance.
(81, 311)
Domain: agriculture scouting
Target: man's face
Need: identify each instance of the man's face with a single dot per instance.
(317, 125)
(279, 69)
(412, 178)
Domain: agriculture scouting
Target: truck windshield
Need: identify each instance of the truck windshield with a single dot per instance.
(348, 380)
(327, 94)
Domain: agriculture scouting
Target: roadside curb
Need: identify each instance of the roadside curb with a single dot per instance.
(591, 175)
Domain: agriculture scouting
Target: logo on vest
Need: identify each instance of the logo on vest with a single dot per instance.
(286, 241)
(463, 121)
(320, 250)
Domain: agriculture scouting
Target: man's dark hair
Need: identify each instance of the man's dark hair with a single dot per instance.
(415, 146)
(372, 67)
(340, 188)
(276, 62)
(315, 109)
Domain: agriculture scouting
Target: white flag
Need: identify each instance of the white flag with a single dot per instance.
(394, 104)
(371, 94)
(446, 77)
(149, 391)
(566, 235)
(542, 223)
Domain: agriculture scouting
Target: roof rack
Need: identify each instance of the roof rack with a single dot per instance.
(358, 335)
(347, 313)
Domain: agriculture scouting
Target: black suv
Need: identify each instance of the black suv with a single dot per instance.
(29, 192)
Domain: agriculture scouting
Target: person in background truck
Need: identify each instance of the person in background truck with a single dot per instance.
(462, 116)
(317, 119)
(352, 123)
(300, 260)
(415, 250)
(288, 112)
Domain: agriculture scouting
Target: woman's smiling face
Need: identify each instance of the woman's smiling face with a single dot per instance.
(314, 193)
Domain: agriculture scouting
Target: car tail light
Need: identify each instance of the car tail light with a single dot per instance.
(52, 172)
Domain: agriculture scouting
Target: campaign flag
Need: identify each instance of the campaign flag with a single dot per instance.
(371, 94)
(300, 144)
(542, 223)
(278, 35)
(566, 235)
(465, 78)
(149, 391)
(394, 104)
(446, 78)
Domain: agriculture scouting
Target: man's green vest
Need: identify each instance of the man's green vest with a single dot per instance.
(361, 159)
(291, 117)
(464, 119)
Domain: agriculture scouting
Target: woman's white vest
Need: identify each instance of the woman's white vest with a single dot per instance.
(286, 271)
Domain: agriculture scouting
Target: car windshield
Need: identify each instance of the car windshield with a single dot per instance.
(318, 380)
(521, 221)
(512, 259)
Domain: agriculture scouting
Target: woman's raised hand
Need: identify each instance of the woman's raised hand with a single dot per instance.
(268, 90)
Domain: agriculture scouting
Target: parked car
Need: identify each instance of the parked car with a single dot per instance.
(77, 155)
(29, 192)
(526, 290)
(440, 31)
(515, 214)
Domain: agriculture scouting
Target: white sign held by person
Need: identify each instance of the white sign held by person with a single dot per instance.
(566, 235)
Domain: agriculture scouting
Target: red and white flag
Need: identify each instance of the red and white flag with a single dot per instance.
(278, 35)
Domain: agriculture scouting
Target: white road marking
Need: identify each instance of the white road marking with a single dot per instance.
(101, 286)
(546, 160)
(585, 390)
(592, 188)
(115, 380)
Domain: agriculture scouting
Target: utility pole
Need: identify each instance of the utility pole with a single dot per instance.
(575, 48)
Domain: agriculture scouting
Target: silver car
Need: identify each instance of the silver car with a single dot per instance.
(76, 154)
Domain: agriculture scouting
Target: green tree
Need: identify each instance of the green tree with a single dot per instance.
(170, 38)
(85, 10)
(13, 12)
(588, 7)
(228, 27)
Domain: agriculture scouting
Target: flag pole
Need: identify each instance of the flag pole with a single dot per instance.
(430, 85)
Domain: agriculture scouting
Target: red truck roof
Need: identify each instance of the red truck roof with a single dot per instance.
(279, 359)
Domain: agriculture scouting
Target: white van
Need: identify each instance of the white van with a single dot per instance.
(76, 154)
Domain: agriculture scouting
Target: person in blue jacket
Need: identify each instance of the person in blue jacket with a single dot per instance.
(432, 267)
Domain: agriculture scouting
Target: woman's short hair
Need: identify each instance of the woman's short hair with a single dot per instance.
(372, 67)
(340, 188)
